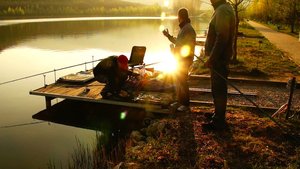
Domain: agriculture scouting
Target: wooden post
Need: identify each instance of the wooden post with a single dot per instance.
(48, 102)
(292, 88)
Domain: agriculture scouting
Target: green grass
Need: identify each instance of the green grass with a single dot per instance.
(257, 58)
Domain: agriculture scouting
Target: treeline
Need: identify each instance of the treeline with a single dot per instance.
(62, 8)
(280, 12)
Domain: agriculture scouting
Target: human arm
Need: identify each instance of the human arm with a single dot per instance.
(167, 34)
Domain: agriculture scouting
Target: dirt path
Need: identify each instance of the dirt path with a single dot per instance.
(284, 42)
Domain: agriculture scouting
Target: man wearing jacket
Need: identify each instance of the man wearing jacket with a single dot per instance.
(184, 53)
(114, 72)
(219, 48)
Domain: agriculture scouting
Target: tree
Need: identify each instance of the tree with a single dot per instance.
(238, 6)
(192, 5)
(292, 7)
(276, 11)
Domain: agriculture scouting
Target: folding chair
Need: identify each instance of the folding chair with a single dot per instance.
(137, 56)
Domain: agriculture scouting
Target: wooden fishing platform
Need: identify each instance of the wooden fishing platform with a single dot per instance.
(90, 92)
(82, 87)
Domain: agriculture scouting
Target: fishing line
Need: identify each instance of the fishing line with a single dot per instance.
(22, 124)
(55, 70)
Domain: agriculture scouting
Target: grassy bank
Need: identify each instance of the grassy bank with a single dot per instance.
(258, 58)
(251, 142)
(177, 142)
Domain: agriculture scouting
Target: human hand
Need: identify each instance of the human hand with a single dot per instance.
(166, 32)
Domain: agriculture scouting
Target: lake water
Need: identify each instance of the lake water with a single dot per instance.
(32, 46)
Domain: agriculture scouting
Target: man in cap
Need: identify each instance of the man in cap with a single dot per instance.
(114, 72)
(184, 54)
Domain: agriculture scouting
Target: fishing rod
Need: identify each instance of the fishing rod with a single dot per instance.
(46, 72)
(55, 70)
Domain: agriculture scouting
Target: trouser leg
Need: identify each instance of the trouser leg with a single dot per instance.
(182, 90)
(219, 92)
(182, 87)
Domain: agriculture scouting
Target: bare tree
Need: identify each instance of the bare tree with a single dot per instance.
(238, 6)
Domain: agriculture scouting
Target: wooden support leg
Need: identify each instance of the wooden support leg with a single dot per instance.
(292, 88)
(48, 102)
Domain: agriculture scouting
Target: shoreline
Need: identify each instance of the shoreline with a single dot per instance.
(82, 18)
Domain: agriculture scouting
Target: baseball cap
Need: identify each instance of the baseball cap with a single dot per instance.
(123, 62)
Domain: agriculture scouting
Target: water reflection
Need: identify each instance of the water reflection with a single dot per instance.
(104, 34)
(12, 35)
(109, 120)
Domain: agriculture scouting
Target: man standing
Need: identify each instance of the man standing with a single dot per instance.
(184, 53)
(219, 48)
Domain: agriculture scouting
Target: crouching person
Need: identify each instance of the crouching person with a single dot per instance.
(114, 72)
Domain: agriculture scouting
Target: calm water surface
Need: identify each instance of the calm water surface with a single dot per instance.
(28, 48)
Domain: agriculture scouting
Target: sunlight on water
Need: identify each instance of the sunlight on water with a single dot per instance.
(41, 60)
(163, 16)
(20, 21)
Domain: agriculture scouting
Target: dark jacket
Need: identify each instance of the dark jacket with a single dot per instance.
(185, 37)
(107, 67)
(219, 41)
(107, 71)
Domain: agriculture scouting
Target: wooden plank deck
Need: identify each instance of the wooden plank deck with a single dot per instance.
(72, 90)
(88, 93)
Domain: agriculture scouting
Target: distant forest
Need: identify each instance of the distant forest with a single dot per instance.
(66, 8)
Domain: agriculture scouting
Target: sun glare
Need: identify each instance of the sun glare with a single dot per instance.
(123, 115)
(185, 51)
(168, 64)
